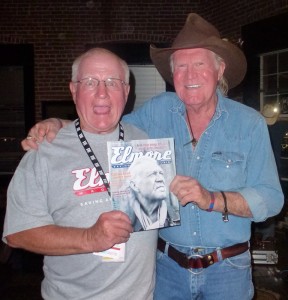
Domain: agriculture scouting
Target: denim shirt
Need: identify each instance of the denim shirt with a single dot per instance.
(234, 153)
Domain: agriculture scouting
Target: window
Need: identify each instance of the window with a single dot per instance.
(148, 83)
(274, 79)
(16, 103)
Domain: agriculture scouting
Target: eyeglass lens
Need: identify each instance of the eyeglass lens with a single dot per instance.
(110, 83)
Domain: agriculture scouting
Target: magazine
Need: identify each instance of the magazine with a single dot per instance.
(140, 174)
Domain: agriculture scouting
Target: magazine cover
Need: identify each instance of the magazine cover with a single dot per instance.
(140, 175)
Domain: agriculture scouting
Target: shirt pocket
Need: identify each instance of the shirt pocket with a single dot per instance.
(227, 170)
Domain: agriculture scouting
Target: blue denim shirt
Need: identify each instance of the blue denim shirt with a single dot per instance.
(233, 154)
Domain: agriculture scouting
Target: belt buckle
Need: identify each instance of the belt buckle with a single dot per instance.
(192, 258)
(195, 255)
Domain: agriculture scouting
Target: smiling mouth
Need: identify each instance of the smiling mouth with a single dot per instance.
(193, 86)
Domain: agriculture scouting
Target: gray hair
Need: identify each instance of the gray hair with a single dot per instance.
(222, 83)
(78, 60)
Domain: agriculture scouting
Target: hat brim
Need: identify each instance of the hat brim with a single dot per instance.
(235, 61)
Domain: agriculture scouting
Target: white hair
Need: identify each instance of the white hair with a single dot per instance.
(93, 51)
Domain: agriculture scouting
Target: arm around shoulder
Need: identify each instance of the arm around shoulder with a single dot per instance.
(46, 129)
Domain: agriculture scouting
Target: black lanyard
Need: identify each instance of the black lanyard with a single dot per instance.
(91, 154)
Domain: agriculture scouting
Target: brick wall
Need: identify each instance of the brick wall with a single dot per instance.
(60, 30)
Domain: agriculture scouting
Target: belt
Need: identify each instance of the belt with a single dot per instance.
(201, 261)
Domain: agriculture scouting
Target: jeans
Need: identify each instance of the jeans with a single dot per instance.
(229, 279)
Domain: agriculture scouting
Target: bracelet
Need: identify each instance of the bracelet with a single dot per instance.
(225, 213)
(212, 201)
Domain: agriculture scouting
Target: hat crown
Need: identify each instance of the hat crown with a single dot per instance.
(195, 30)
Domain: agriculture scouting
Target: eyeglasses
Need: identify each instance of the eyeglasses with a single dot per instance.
(113, 84)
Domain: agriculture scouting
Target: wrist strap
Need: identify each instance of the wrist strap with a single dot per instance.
(225, 213)
(212, 201)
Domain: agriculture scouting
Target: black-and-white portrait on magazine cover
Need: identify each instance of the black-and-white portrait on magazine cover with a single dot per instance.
(149, 196)
(141, 172)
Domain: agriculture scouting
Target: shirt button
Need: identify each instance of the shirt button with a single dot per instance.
(194, 233)
(227, 166)
(193, 207)
(198, 157)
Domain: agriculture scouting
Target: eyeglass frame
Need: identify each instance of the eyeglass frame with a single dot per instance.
(98, 81)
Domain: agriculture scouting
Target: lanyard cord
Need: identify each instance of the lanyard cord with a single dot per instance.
(91, 154)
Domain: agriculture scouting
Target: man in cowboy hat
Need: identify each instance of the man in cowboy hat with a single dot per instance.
(227, 175)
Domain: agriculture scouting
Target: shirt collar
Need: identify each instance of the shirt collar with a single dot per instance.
(145, 219)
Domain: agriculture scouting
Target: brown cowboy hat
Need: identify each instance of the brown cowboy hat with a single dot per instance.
(198, 33)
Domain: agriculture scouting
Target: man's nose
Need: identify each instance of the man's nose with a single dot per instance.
(191, 71)
(101, 90)
(159, 177)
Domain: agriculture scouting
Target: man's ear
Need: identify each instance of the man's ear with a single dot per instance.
(73, 90)
(126, 91)
(133, 186)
